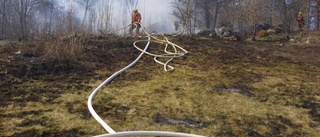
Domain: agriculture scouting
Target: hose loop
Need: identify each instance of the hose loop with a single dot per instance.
(170, 55)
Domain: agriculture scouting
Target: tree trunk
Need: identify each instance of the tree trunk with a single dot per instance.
(207, 15)
(3, 20)
(50, 22)
(271, 14)
(318, 15)
(254, 32)
(23, 20)
(308, 16)
(286, 21)
(215, 17)
(84, 17)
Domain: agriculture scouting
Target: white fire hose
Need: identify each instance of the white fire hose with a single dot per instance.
(178, 52)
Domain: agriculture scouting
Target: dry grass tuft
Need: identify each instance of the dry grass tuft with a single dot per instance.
(262, 33)
(64, 50)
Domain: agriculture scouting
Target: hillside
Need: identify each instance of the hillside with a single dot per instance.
(220, 88)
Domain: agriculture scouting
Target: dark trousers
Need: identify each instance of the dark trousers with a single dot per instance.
(136, 26)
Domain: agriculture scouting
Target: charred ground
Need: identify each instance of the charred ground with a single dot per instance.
(221, 88)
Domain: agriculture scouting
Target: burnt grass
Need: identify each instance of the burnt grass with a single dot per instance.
(20, 84)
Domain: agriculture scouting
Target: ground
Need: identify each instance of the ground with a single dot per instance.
(269, 87)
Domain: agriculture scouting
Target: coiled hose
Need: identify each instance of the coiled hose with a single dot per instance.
(178, 52)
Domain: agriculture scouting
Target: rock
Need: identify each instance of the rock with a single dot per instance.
(263, 26)
(10, 57)
(205, 32)
(223, 32)
(5, 60)
(18, 52)
(291, 40)
(271, 31)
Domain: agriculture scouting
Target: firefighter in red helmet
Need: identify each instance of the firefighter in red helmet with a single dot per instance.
(300, 21)
(135, 23)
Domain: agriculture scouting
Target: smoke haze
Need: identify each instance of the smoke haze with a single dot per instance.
(156, 14)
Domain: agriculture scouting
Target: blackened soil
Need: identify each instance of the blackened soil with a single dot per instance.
(111, 53)
(36, 133)
(187, 122)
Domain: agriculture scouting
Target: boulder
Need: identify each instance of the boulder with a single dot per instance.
(223, 32)
(239, 35)
(263, 26)
(271, 31)
(205, 32)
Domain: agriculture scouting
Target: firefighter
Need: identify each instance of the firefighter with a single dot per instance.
(300, 21)
(135, 23)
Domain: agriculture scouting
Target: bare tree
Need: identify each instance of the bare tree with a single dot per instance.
(66, 22)
(92, 24)
(187, 14)
(217, 5)
(46, 9)
(22, 19)
(252, 12)
(236, 9)
(288, 11)
(318, 13)
(131, 4)
(3, 18)
(86, 4)
(25, 11)
(105, 18)
(205, 7)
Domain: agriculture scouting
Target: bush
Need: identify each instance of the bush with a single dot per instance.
(312, 40)
(315, 33)
(262, 33)
(64, 50)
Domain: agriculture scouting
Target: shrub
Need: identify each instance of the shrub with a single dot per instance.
(262, 33)
(64, 50)
(312, 40)
(315, 33)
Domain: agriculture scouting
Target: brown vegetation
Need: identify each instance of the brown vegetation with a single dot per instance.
(221, 88)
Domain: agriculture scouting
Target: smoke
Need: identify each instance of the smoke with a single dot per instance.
(156, 14)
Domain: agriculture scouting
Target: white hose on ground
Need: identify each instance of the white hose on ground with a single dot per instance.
(171, 56)
(148, 133)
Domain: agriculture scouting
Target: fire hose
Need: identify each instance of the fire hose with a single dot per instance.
(177, 52)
